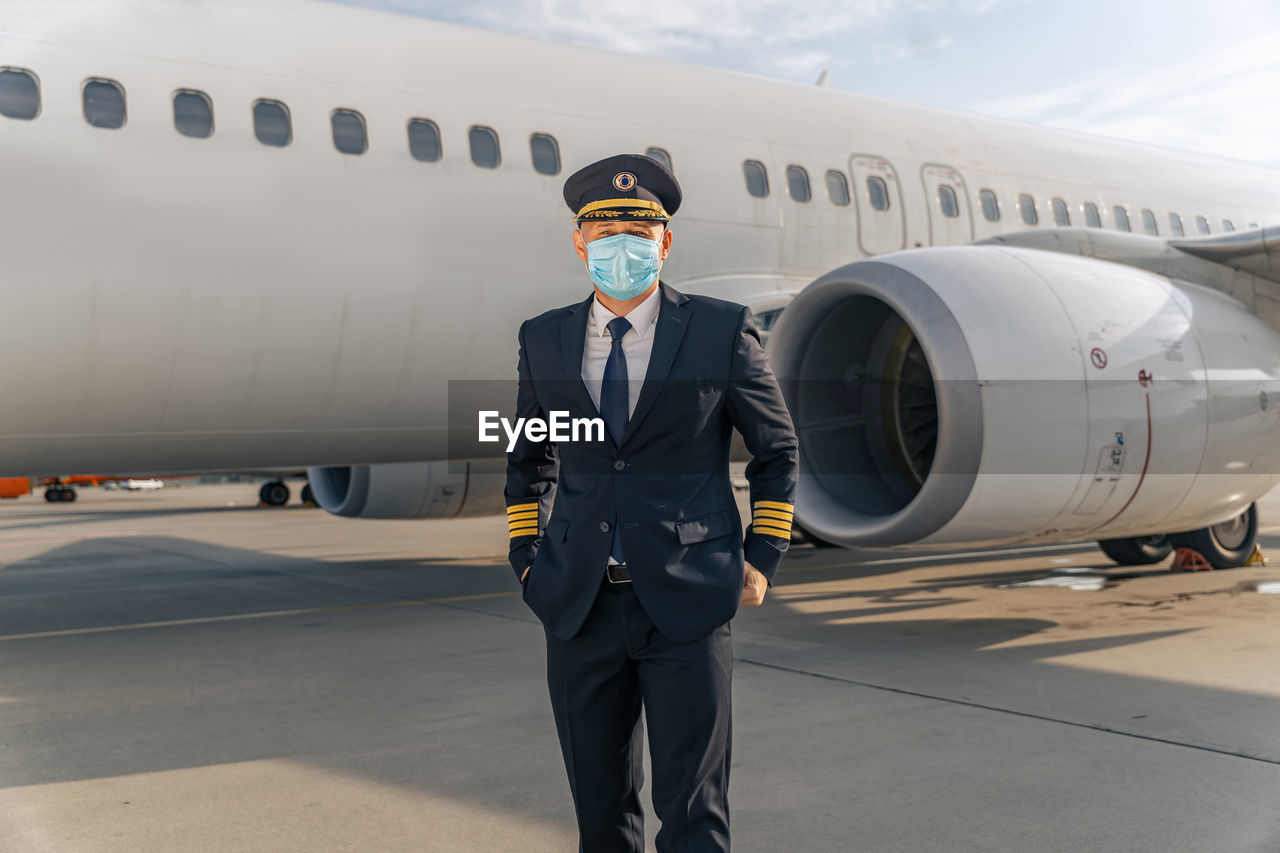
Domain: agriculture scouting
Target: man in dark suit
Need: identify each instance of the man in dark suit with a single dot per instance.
(640, 564)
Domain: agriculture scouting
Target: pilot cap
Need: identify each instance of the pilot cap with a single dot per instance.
(621, 187)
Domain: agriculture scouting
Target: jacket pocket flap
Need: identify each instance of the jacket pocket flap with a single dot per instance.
(557, 527)
(704, 527)
(676, 389)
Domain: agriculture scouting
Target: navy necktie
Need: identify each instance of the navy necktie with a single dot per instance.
(614, 401)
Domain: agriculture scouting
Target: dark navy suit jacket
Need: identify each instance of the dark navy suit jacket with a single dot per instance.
(666, 483)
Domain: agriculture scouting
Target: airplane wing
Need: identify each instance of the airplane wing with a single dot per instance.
(1255, 251)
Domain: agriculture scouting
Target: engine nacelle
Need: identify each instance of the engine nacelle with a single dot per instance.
(997, 395)
(411, 489)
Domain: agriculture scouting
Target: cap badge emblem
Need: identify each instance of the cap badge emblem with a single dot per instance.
(624, 181)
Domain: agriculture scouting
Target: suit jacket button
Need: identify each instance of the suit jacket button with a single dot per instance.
(604, 527)
(619, 465)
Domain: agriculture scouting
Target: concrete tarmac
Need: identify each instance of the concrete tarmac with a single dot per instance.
(186, 671)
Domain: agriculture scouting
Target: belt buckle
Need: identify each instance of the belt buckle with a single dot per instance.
(608, 572)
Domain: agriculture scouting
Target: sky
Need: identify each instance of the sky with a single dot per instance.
(1200, 76)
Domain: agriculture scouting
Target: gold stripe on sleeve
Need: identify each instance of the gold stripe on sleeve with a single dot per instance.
(772, 513)
(772, 522)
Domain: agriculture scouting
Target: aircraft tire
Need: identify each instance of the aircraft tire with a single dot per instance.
(274, 493)
(1226, 545)
(1137, 550)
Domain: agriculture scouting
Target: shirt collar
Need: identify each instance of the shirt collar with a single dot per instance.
(642, 317)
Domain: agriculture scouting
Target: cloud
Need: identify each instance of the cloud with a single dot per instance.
(1220, 102)
(771, 37)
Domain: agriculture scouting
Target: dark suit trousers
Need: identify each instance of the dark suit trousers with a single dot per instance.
(598, 680)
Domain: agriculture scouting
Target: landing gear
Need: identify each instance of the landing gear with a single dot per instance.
(274, 493)
(1138, 551)
(308, 496)
(1225, 545)
(63, 494)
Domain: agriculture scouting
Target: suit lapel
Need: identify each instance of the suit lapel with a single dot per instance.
(573, 339)
(671, 324)
(667, 334)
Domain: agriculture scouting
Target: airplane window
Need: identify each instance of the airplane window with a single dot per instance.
(1253, 225)
(990, 205)
(1228, 225)
(193, 113)
(271, 123)
(798, 183)
(837, 188)
(1091, 217)
(349, 134)
(1149, 222)
(484, 147)
(1027, 209)
(1122, 218)
(878, 192)
(947, 201)
(661, 155)
(424, 140)
(1061, 216)
(19, 94)
(1202, 225)
(1175, 224)
(757, 178)
(545, 153)
(104, 103)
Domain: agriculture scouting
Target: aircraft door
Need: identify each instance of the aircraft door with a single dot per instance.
(881, 219)
(950, 222)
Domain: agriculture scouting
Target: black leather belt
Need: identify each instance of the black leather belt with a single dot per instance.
(617, 573)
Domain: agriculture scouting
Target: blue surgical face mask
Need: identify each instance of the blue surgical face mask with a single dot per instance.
(623, 265)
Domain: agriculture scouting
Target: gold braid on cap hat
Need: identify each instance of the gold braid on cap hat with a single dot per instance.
(645, 208)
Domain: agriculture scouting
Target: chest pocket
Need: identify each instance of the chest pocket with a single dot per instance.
(704, 527)
(557, 528)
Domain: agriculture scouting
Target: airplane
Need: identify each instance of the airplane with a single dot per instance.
(332, 220)
(274, 492)
(58, 489)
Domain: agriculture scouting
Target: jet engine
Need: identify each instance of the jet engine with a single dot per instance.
(989, 394)
(442, 489)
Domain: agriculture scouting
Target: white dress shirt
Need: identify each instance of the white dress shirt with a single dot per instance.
(637, 343)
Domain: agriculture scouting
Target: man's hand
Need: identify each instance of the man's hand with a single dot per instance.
(754, 585)
(525, 572)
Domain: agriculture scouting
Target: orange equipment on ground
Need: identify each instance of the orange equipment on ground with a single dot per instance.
(14, 487)
(1189, 560)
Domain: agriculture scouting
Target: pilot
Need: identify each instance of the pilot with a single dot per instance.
(630, 548)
